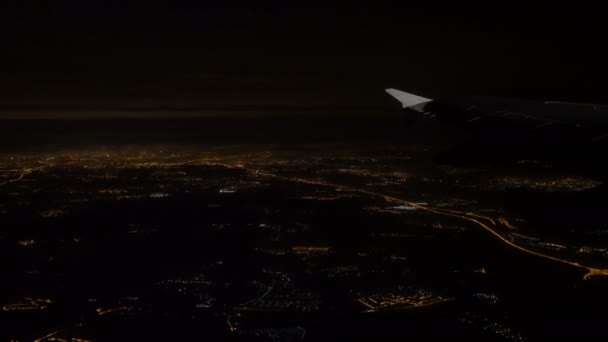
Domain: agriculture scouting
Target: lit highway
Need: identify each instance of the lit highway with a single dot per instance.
(591, 271)
(490, 225)
(27, 171)
(24, 173)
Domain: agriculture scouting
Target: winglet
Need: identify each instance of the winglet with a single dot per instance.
(409, 100)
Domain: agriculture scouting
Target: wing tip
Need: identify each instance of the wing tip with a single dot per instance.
(407, 99)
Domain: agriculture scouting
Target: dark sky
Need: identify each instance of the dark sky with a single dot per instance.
(117, 54)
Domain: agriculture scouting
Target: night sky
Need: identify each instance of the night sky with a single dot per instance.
(292, 54)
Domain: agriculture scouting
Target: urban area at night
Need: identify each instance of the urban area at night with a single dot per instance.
(295, 171)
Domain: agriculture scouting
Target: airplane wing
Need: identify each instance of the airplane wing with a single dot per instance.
(533, 115)
(408, 100)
